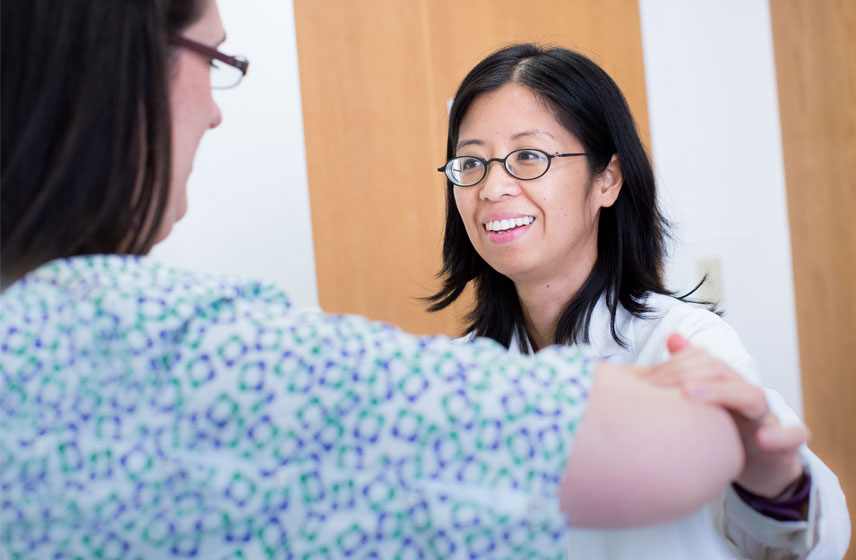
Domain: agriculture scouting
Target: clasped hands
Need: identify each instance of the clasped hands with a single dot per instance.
(771, 450)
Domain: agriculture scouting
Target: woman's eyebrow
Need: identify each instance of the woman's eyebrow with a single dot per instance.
(516, 136)
(533, 132)
(473, 142)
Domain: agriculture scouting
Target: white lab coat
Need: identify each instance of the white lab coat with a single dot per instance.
(726, 528)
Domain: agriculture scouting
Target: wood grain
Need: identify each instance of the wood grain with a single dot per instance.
(815, 47)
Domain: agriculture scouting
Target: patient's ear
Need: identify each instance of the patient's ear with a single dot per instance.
(608, 184)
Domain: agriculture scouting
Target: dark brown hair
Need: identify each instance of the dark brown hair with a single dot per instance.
(86, 126)
(631, 233)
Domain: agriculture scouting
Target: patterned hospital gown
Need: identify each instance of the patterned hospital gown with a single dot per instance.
(147, 412)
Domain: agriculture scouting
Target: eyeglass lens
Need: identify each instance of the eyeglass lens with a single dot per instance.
(523, 164)
(224, 75)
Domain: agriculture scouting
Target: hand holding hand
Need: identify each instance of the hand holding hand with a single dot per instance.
(772, 461)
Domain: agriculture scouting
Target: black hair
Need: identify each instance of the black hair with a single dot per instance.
(631, 233)
(86, 126)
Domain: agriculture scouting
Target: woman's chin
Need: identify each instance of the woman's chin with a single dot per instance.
(169, 221)
(164, 231)
(512, 270)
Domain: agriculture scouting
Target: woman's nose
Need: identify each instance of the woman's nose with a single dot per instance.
(498, 183)
(216, 116)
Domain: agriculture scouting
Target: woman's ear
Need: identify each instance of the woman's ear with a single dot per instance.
(609, 183)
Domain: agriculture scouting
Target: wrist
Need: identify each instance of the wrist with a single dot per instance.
(789, 505)
(771, 481)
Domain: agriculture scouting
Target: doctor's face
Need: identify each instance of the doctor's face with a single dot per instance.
(528, 230)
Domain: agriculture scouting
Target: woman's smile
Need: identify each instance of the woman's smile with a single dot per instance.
(505, 227)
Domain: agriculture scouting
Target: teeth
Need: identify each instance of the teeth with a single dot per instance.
(511, 223)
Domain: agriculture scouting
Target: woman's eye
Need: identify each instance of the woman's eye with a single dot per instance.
(528, 156)
(470, 163)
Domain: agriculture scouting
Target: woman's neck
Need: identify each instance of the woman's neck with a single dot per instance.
(544, 300)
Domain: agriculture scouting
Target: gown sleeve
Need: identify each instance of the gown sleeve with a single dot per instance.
(216, 424)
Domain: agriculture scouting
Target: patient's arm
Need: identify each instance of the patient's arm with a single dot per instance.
(645, 454)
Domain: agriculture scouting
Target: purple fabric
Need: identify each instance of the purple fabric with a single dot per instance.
(791, 508)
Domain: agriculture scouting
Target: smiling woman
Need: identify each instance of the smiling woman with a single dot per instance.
(582, 240)
(568, 250)
(559, 203)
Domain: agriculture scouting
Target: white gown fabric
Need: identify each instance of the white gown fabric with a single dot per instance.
(726, 529)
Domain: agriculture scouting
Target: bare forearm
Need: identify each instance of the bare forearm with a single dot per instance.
(646, 455)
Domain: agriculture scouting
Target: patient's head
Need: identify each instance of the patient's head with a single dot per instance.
(88, 143)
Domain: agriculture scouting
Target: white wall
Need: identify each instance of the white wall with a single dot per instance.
(248, 194)
(716, 143)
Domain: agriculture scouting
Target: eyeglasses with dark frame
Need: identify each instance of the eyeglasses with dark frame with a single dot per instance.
(223, 76)
(525, 164)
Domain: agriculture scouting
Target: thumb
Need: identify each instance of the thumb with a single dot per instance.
(676, 343)
(779, 438)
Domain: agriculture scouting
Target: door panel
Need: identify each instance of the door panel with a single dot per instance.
(816, 74)
(375, 79)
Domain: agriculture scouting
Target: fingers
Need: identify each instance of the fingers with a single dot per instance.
(676, 343)
(776, 438)
(733, 393)
(688, 364)
(711, 380)
(771, 450)
(685, 358)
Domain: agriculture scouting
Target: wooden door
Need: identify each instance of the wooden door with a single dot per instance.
(375, 78)
(815, 46)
